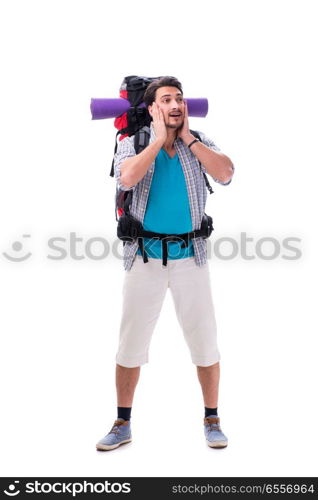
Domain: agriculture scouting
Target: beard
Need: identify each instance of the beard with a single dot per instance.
(174, 126)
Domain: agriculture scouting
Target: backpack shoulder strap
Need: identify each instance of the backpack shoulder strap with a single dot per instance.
(124, 198)
(197, 135)
(115, 151)
(141, 139)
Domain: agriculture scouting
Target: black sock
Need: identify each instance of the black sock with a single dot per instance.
(123, 412)
(210, 411)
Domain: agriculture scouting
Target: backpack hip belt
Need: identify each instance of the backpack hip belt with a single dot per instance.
(130, 229)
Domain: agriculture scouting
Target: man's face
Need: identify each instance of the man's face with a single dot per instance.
(171, 103)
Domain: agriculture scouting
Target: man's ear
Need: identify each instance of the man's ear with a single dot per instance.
(149, 110)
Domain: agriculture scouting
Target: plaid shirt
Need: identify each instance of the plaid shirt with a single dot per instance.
(197, 191)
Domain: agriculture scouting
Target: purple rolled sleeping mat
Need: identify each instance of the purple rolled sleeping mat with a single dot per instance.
(111, 108)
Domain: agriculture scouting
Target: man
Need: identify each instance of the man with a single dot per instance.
(169, 196)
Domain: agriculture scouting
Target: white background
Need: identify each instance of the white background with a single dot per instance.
(256, 63)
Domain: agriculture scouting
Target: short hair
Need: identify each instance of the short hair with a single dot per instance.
(163, 81)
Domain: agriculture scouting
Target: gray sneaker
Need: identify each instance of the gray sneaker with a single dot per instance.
(212, 430)
(119, 434)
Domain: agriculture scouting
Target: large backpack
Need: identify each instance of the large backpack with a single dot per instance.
(133, 89)
(135, 122)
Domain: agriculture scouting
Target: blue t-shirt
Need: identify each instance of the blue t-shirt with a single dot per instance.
(168, 209)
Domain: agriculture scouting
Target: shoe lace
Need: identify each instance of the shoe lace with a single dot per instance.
(115, 428)
(213, 424)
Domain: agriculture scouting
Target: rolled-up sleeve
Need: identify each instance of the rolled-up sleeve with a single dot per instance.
(211, 145)
(125, 150)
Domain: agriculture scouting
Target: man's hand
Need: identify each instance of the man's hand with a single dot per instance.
(159, 123)
(184, 132)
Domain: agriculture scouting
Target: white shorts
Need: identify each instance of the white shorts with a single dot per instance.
(144, 290)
